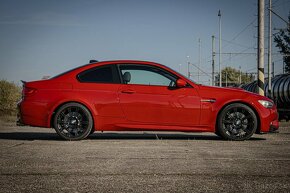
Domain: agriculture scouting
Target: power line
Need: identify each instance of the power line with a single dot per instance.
(279, 16)
(278, 60)
(283, 2)
(273, 4)
(239, 54)
(234, 43)
(244, 29)
(200, 70)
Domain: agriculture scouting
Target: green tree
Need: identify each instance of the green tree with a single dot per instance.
(10, 94)
(282, 40)
(234, 77)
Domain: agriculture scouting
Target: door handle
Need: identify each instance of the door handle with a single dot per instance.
(128, 91)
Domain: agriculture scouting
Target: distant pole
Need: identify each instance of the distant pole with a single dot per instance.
(199, 58)
(261, 25)
(220, 47)
(270, 50)
(188, 63)
(226, 78)
(240, 75)
(213, 55)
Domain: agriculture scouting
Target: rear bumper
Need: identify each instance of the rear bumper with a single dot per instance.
(31, 113)
(19, 121)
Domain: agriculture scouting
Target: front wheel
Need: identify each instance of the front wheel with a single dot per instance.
(237, 122)
(73, 121)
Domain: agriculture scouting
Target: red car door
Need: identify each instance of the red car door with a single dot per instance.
(149, 96)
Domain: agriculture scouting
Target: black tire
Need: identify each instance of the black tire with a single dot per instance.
(73, 121)
(237, 122)
(92, 132)
(218, 133)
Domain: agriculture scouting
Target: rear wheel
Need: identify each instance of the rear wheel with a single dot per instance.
(237, 122)
(73, 121)
(92, 132)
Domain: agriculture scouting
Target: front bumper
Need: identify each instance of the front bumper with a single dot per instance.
(268, 120)
(274, 126)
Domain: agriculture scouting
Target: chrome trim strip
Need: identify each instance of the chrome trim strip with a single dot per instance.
(208, 100)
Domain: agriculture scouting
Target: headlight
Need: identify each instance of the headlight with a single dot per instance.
(266, 104)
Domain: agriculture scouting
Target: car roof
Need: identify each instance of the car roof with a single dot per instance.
(95, 63)
(124, 61)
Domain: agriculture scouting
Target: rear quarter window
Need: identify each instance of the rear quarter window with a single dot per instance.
(103, 74)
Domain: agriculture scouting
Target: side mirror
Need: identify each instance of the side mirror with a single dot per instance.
(180, 83)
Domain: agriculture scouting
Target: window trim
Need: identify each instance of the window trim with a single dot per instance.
(115, 75)
(147, 66)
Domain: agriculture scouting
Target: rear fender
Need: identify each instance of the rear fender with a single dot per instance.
(60, 103)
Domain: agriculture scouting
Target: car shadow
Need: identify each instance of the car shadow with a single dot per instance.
(152, 136)
(30, 136)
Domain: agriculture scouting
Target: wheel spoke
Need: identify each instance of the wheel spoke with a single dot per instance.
(73, 122)
(247, 117)
(227, 121)
(238, 122)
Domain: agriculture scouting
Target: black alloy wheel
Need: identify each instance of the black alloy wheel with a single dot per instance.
(237, 122)
(73, 121)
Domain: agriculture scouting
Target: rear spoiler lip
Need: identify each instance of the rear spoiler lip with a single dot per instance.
(23, 82)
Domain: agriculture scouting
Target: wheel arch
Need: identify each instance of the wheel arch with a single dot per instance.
(240, 102)
(59, 105)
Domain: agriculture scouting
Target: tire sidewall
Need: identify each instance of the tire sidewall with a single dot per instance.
(85, 110)
(222, 132)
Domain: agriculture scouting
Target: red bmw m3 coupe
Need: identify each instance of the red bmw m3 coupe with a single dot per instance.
(128, 95)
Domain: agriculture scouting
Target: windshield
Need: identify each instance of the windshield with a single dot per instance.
(182, 75)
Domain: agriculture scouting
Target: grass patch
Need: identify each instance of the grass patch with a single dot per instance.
(8, 118)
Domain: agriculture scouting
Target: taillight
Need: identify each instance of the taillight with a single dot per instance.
(27, 91)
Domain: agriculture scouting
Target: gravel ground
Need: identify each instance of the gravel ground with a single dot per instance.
(37, 160)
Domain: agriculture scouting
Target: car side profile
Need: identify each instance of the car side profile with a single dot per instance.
(129, 95)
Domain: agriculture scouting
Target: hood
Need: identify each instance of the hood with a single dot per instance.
(222, 89)
(224, 93)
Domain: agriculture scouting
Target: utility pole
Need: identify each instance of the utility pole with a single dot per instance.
(270, 50)
(261, 26)
(226, 78)
(188, 63)
(213, 55)
(240, 78)
(220, 48)
(199, 58)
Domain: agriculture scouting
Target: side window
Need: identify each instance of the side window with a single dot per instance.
(146, 75)
(103, 74)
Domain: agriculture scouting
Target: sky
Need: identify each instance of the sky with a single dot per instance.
(44, 38)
